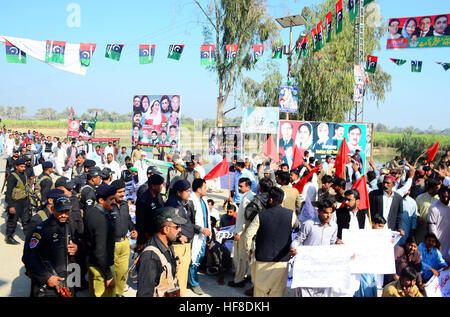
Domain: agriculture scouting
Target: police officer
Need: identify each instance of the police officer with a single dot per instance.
(81, 178)
(144, 187)
(106, 175)
(16, 197)
(99, 229)
(10, 166)
(29, 171)
(87, 192)
(123, 224)
(44, 181)
(46, 256)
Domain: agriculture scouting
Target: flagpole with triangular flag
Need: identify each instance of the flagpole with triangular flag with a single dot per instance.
(361, 186)
(431, 153)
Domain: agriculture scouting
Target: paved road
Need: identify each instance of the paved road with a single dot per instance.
(14, 282)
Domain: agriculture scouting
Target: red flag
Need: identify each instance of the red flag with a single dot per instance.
(341, 159)
(301, 183)
(432, 152)
(221, 169)
(361, 187)
(269, 149)
(71, 111)
(298, 157)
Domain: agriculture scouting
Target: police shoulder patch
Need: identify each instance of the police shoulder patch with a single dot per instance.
(33, 243)
(37, 235)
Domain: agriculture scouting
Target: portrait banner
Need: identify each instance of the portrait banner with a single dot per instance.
(156, 120)
(288, 100)
(87, 129)
(73, 128)
(419, 32)
(226, 139)
(323, 138)
(260, 120)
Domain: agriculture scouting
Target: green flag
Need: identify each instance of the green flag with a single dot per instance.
(175, 52)
(339, 15)
(446, 66)
(352, 9)
(113, 51)
(366, 2)
(399, 62)
(416, 66)
(304, 45)
(277, 53)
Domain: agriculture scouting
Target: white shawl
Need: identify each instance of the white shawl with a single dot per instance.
(199, 238)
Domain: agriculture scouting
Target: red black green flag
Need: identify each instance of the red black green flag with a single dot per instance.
(175, 52)
(304, 45)
(339, 16)
(258, 51)
(399, 62)
(146, 53)
(207, 55)
(314, 39)
(113, 51)
(352, 9)
(446, 66)
(371, 64)
(328, 26)
(319, 35)
(231, 51)
(14, 54)
(54, 51)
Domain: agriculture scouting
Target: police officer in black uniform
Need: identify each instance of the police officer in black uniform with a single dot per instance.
(87, 192)
(16, 197)
(10, 165)
(49, 252)
(29, 171)
(44, 181)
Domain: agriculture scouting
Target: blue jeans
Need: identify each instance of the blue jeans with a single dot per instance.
(193, 267)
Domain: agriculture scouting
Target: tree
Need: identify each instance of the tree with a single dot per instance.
(46, 114)
(325, 79)
(240, 22)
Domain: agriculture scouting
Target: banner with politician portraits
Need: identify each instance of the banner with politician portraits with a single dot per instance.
(156, 120)
(323, 138)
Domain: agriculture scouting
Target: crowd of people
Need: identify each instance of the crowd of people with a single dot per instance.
(88, 203)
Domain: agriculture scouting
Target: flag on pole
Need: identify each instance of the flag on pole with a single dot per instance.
(86, 51)
(314, 39)
(269, 149)
(221, 169)
(113, 51)
(371, 64)
(71, 112)
(416, 66)
(341, 159)
(361, 186)
(54, 51)
(298, 157)
(432, 152)
(231, 51)
(14, 54)
(258, 51)
(399, 62)
(146, 53)
(175, 52)
(302, 182)
(319, 36)
(207, 55)
(277, 52)
(328, 26)
(352, 9)
(339, 16)
(304, 45)
(446, 66)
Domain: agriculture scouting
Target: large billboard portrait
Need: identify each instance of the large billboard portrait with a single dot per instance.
(419, 32)
(87, 129)
(288, 100)
(225, 140)
(322, 138)
(156, 120)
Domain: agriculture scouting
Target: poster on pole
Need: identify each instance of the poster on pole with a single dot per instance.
(323, 138)
(419, 32)
(288, 100)
(156, 120)
(260, 120)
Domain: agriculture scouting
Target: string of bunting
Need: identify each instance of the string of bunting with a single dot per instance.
(416, 66)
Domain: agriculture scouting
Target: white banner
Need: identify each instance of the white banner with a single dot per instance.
(225, 233)
(439, 286)
(322, 266)
(373, 249)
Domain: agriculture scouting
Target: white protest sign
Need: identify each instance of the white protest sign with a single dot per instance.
(225, 233)
(373, 249)
(322, 266)
(439, 286)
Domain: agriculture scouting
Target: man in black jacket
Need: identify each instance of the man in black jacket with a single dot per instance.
(44, 181)
(150, 266)
(273, 229)
(123, 224)
(179, 199)
(99, 229)
(349, 216)
(388, 204)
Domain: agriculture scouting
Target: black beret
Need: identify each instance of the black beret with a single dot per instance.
(89, 163)
(118, 184)
(47, 164)
(106, 172)
(181, 185)
(105, 190)
(155, 179)
(55, 193)
(64, 181)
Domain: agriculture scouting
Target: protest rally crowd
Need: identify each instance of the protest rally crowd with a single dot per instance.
(97, 207)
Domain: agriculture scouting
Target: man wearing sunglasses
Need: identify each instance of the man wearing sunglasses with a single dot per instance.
(159, 256)
(46, 256)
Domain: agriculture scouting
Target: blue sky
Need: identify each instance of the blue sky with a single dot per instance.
(417, 99)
